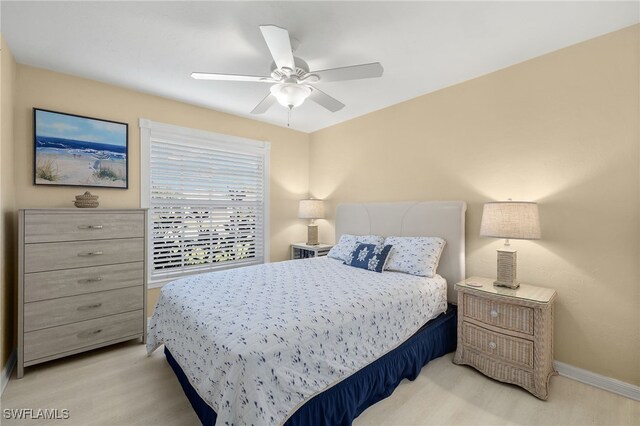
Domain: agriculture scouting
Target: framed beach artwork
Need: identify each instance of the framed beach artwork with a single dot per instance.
(72, 150)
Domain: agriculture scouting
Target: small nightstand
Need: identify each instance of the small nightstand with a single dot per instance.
(507, 334)
(303, 250)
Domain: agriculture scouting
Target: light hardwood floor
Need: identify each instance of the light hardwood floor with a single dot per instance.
(120, 385)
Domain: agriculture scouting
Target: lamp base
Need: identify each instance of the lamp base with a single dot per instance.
(507, 269)
(312, 235)
(508, 285)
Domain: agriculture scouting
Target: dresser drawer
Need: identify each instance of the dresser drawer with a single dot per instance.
(65, 338)
(498, 346)
(65, 310)
(504, 315)
(78, 254)
(40, 227)
(71, 282)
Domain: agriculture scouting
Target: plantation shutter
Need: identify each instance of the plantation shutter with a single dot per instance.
(207, 202)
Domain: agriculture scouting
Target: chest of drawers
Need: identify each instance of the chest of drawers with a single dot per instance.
(81, 281)
(507, 334)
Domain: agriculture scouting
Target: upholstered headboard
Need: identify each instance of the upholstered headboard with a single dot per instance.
(444, 219)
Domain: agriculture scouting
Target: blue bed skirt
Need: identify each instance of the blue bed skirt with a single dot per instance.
(342, 403)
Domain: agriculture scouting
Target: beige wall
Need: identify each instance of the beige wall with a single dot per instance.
(49, 90)
(7, 203)
(562, 130)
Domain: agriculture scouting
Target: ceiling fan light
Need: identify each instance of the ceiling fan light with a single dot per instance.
(290, 95)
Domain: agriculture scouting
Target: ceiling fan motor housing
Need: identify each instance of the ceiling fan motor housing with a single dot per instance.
(299, 74)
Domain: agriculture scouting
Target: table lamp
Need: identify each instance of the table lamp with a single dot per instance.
(510, 220)
(311, 209)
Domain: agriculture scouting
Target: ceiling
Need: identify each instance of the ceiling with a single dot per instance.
(153, 46)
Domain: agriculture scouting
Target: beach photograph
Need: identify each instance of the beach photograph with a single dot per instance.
(79, 151)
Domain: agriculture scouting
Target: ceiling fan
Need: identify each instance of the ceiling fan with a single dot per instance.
(290, 76)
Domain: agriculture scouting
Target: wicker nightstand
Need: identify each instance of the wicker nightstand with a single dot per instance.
(507, 334)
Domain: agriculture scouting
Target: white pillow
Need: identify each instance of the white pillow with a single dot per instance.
(348, 242)
(415, 255)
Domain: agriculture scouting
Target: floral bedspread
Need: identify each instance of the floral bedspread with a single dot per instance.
(258, 342)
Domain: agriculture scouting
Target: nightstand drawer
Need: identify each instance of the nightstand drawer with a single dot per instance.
(503, 315)
(496, 345)
(500, 371)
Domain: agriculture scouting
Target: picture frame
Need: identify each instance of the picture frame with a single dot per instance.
(75, 150)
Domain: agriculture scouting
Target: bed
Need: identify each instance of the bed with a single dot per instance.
(312, 341)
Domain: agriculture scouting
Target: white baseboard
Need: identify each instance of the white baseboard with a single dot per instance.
(7, 370)
(607, 383)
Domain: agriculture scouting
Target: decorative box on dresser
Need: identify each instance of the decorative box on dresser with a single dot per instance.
(81, 281)
(507, 334)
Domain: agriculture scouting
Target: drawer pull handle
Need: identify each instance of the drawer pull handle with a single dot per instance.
(90, 280)
(494, 313)
(87, 307)
(91, 253)
(492, 345)
(87, 334)
(90, 226)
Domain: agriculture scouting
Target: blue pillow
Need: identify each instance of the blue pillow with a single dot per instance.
(369, 256)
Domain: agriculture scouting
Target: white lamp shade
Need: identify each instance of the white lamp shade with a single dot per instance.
(290, 95)
(511, 219)
(311, 209)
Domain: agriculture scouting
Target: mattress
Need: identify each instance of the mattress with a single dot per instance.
(256, 343)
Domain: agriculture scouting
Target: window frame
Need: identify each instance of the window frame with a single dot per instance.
(197, 137)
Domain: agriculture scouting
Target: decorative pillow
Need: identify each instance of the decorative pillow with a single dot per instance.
(369, 256)
(348, 242)
(415, 255)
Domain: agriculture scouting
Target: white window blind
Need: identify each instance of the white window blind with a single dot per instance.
(207, 200)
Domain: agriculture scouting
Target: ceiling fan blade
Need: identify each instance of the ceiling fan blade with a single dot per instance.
(354, 72)
(264, 104)
(321, 98)
(230, 77)
(279, 45)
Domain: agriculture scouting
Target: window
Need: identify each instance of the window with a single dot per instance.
(207, 196)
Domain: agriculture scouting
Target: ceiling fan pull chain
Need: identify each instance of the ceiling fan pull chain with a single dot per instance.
(289, 117)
